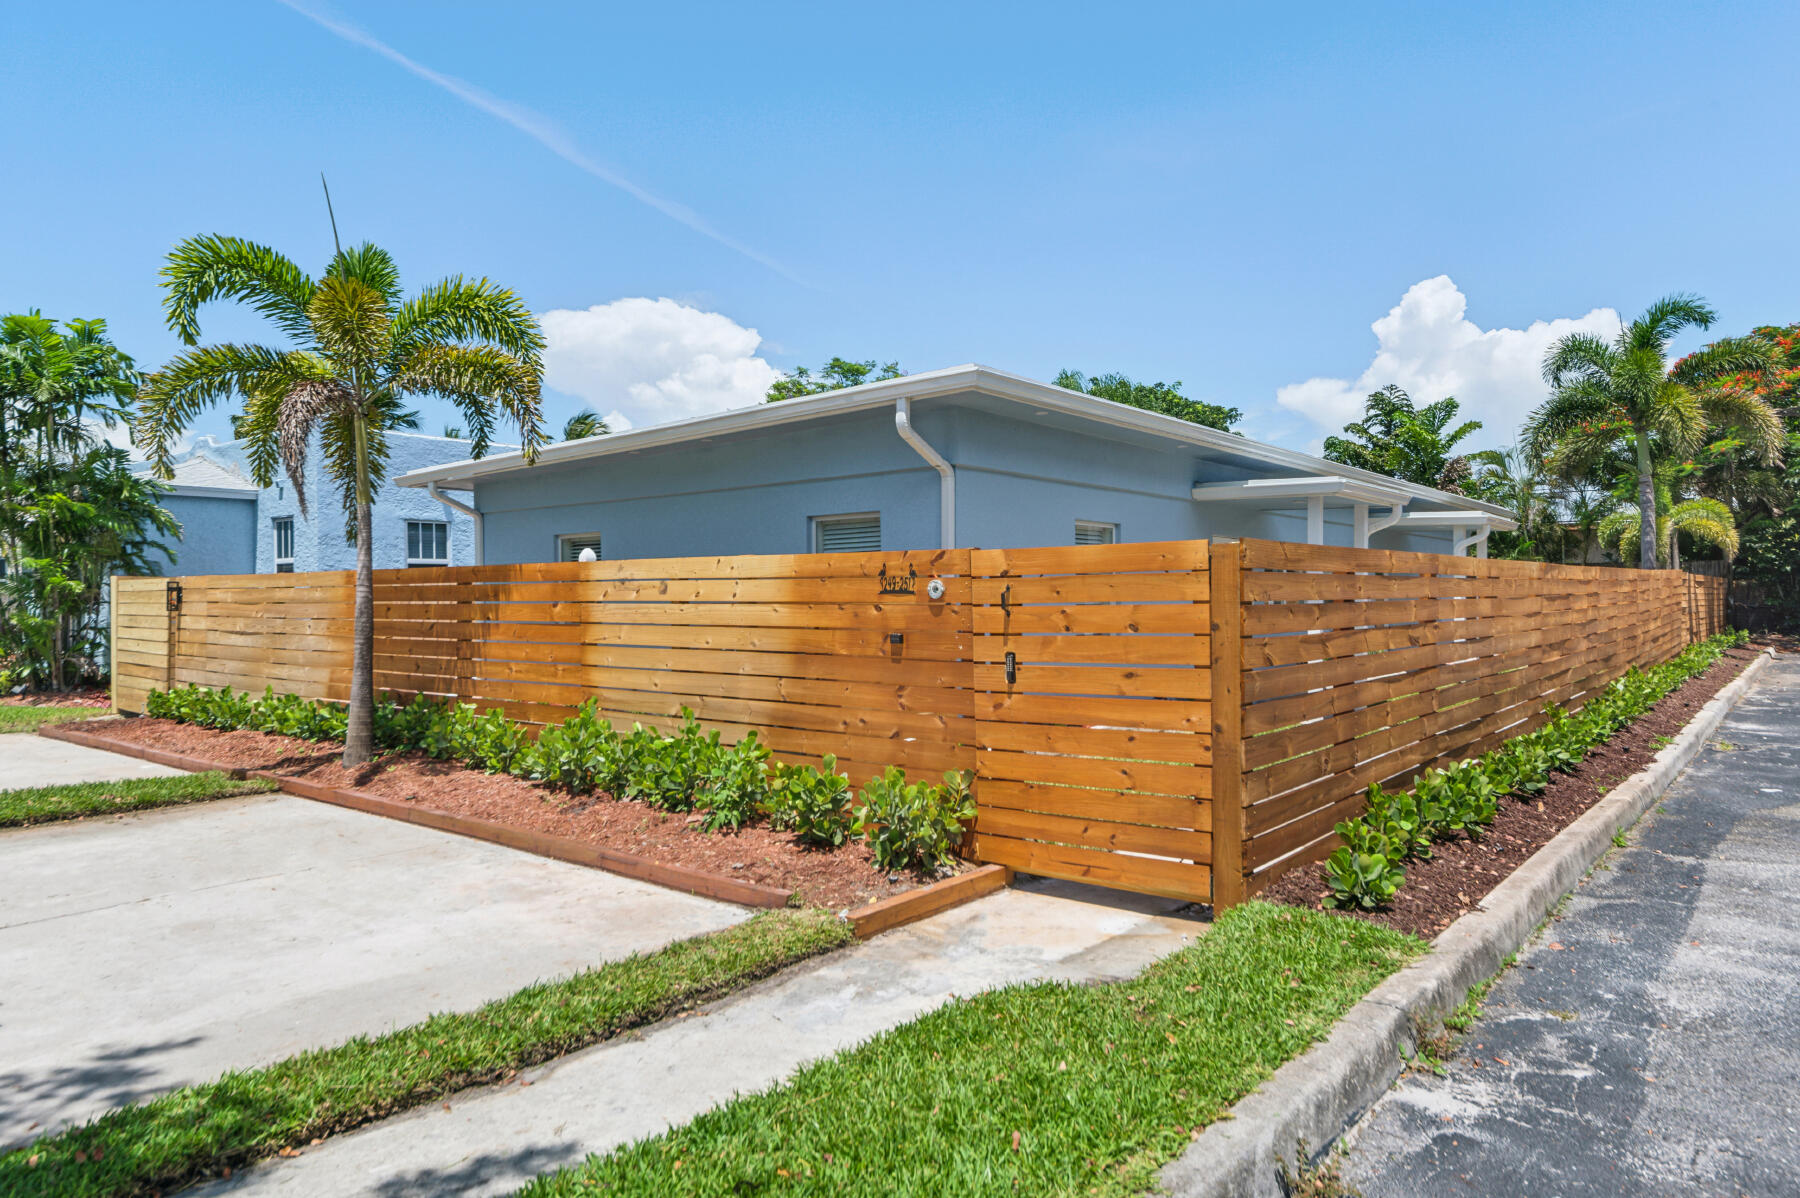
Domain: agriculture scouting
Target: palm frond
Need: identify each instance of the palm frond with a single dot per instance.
(1667, 317)
(1574, 403)
(197, 378)
(1578, 355)
(1676, 413)
(1731, 355)
(474, 378)
(203, 269)
(303, 407)
(1750, 416)
(371, 266)
(350, 320)
(457, 310)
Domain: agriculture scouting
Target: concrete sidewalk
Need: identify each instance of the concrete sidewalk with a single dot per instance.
(1648, 1041)
(157, 949)
(493, 1140)
(27, 759)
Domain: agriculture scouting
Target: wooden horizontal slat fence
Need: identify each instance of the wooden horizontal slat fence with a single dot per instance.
(1094, 758)
(1361, 666)
(1180, 718)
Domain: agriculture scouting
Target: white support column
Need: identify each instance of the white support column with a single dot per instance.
(1361, 540)
(1315, 519)
(1481, 545)
(1459, 540)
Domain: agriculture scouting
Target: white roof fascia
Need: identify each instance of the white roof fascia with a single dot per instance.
(983, 379)
(211, 492)
(1276, 490)
(1467, 519)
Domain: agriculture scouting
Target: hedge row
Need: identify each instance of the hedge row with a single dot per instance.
(908, 825)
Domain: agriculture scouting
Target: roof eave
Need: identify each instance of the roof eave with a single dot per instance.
(956, 379)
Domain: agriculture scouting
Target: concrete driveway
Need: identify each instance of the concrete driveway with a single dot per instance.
(1648, 1042)
(30, 760)
(154, 950)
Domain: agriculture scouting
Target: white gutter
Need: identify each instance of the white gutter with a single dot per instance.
(431, 489)
(1467, 528)
(946, 472)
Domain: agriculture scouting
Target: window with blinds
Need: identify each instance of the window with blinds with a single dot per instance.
(858, 533)
(284, 544)
(427, 543)
(1095, 532)
(570, 545)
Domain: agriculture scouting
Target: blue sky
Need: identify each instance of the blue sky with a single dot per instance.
(1229, 196)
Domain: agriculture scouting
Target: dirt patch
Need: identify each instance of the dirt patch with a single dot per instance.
(835, 878)
(87, 697)
(1462, 871)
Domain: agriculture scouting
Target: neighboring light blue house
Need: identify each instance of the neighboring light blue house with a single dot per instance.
(230, 526)
(966, 457)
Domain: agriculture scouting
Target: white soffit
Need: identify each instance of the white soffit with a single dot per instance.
(1288, 490)
(1470, 519)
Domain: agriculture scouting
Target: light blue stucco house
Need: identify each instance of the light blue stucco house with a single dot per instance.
(968, 457)
(231, 526)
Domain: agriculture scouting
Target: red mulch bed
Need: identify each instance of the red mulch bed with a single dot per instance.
(835, 878)
(1461, 872)
(86, 697)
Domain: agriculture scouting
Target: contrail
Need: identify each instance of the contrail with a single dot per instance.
(541, 130)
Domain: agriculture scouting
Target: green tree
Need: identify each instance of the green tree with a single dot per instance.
(359, 348)
(835, 375)
(71, 511)
(585, 423)
(1406, 442)
(1163, 398)
(1612, 395)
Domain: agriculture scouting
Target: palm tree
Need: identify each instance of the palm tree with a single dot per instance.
(585, 423)
(1607, 395)
(1706, 520)
(360, 350)
(1396, 439)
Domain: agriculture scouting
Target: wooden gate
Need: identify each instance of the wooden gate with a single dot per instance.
(1092, 714)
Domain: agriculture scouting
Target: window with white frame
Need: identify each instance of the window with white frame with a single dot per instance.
(284, 544)
(856, 532)
(427, 543)
(570, 544)
(1095, 532)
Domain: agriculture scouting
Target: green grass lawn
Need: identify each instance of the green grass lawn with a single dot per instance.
(1039, 1089)
(30, 719)
(42, 804)
(197, 1130)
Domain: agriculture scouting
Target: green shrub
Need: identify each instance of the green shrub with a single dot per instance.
(736, 787)
(578, 755)
(1465, 797)
(914, 825)
(1365, 870)
(813, 803)
(492, 741)
(666, 771)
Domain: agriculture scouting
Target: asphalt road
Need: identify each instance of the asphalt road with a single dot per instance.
(1648, 1041)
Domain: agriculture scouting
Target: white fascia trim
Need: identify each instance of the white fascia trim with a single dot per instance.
(212, 492)
(1487, 521)
(983, 379)
(1325, 486)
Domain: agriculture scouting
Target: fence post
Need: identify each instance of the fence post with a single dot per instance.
(1226, 607)
(112, 641)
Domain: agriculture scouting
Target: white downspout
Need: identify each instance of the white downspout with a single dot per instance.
(946, 472)
(1388, 521)
(431, 489)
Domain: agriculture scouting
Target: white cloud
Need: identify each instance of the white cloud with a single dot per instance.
(1426, 345)
(647, 361)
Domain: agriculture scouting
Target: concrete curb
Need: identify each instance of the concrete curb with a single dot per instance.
(1317, 1096)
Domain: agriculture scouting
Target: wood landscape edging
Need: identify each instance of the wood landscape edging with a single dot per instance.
(867, 921)
(1319, 1095)
(179, 761)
